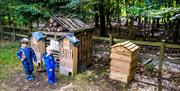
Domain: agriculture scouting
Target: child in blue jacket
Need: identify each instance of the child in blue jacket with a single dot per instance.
(50, 65)
(26, 55)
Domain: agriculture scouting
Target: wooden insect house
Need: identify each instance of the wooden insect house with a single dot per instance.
(38, 45)
(123, 61)
(71, 40)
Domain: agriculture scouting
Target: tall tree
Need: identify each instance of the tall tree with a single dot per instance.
(102, 18)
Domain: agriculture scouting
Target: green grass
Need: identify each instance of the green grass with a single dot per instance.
(8, 59)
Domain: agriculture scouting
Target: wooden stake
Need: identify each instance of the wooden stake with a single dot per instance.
(111, 40)
(14, 33)
(75, 58)
(1, 29)
(162, 47)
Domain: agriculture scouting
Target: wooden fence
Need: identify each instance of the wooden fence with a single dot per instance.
(14, 33)
(111, 40)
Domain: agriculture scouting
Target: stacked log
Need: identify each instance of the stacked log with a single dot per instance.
(123, 61)
(53, 26)
(61, 24)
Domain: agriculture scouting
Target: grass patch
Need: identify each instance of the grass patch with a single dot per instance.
(8, 59)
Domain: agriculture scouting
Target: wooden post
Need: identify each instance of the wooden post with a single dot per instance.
(111, 40)
(162, 47)
(75, 59)
(14, 32)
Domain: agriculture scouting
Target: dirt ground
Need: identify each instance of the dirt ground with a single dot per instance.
(96, 77)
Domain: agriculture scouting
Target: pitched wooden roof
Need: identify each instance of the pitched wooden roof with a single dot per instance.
(71, 24)
(127, 44)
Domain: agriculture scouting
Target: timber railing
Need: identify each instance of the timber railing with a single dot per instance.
(14, 33)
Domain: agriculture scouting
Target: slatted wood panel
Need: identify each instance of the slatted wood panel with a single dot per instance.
(85, 48)
(68, 56)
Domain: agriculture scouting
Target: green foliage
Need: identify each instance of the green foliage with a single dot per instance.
(29, 13)
(8, 59)
(150, 67)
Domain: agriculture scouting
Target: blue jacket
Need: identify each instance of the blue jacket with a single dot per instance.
(29, 53)
(49, 61)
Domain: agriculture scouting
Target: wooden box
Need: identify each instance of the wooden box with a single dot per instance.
(123, 61)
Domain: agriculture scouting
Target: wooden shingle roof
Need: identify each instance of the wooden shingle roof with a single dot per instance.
(127, 44)
(71, 24)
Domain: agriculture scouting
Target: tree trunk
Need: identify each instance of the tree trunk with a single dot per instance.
(96, 18)
(102, 19)
(176, 32)
(108, 17)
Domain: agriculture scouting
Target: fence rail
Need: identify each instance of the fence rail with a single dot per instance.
(13, 33)
(147, 43)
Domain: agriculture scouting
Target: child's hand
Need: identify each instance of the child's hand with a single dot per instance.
(50, 69)
(23, 57)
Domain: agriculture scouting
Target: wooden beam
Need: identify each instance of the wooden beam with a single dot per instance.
(20, 35)
(147, 43)
(16, 27)
(161, 59)
(55, 33)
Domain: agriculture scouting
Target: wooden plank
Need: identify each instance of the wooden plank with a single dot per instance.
(121, 51)
(120, 69)
(147, 43)
(122, 64)
(121, 57)
(20, 28)
(161, 59)
(119, 76)
(136, 42)
(90, 49)
(135, 48)
(120, 44)
(172, 46)
(128, 44)
(67, 63)
(75, 53)
(132, 46)
(55, 33)
(20, 35)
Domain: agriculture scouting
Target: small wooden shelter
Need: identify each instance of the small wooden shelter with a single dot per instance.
(123, 61)
(38, 44)
(71, 40)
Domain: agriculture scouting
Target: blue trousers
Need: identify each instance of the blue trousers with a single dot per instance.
(51, 76)
(28, 69)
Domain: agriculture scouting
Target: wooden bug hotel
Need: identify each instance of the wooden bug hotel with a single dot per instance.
(38, 44)
(71, 40)
(123, 61)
